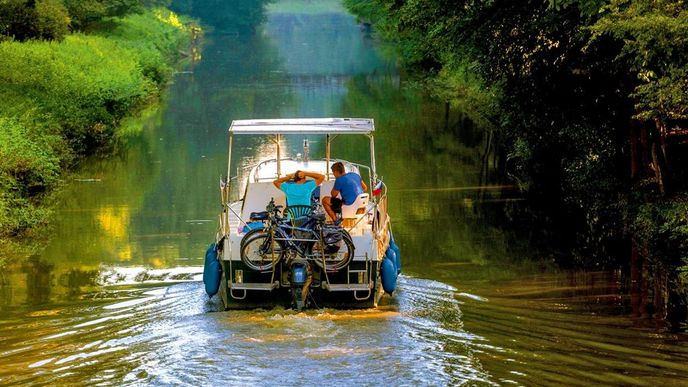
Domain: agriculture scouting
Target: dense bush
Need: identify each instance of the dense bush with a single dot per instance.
(85, 14)
(60, 100)
(41, 19)
(86, 83)
(154, 43)
(28, 167)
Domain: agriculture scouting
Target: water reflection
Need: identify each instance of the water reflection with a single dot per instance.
(526, 331)
(235, 17)
(116, 298)
(193, 347)
(38, 280)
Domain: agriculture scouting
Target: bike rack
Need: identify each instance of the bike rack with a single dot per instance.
(354, 287)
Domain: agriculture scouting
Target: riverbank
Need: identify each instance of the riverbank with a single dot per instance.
(585, 107)
(62, 101)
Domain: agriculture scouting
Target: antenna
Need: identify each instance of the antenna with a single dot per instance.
(306, 147)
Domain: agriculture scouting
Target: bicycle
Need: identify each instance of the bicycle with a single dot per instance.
(311, 240)
(329, 247)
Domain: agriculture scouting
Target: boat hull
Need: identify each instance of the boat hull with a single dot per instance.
(322, 295)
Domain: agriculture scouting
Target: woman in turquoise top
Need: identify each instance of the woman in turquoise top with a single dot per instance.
(297, 188)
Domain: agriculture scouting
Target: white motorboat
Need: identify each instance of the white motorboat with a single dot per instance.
(267, 254)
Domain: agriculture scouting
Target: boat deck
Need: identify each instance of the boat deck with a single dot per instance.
(260, 190)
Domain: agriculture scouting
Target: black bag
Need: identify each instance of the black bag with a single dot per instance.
(332, 238)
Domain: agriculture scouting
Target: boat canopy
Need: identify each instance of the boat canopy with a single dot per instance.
(331, 127)
(304, 126)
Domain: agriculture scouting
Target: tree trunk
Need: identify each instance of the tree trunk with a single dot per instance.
(661, 129)
(660, 294)
(633, 139)
(644, 288)
(644, 148)
(446, 116)
(635, 280)
(657, 169)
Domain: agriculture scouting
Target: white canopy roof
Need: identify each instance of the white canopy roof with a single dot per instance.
(304, 126)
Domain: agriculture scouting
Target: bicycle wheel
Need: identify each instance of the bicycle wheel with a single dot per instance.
(337, 256)
(260, 252)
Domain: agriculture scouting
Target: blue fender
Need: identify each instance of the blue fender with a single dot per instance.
(392, 256)
(393, 245)
(389, 275)
(212, 271)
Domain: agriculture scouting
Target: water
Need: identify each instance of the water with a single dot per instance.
(116, 297)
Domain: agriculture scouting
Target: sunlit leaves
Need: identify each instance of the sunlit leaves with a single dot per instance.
(655, 47)
(61, 99)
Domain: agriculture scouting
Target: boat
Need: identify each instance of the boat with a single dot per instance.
(251, 265)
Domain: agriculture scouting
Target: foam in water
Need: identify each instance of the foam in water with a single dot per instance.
(137, 275)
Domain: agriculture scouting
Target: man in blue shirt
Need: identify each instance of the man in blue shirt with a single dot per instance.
(347, 185)
(297, 188)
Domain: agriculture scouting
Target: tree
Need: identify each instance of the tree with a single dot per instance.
(86, 13)
(578, 86)
(28, 19)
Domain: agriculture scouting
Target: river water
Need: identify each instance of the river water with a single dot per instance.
(116, 298)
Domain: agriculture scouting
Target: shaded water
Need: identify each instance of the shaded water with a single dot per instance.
(116, 297)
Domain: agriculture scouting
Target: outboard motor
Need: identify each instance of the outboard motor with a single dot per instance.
(300, 282)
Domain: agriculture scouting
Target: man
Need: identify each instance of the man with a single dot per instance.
(348, 185)
(297, 188)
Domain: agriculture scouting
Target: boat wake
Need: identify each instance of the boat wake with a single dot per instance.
(160, 328)
(136, 275)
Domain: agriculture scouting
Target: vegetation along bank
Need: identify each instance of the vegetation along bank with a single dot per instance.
(71, 71)
(587, 103)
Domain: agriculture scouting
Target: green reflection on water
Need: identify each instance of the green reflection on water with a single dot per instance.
(228, 17)
(155, 203)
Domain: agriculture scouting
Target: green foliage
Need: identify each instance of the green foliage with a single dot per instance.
(566, 77)
(588, 8)
(85, 14)
(467, 92)
(28, 168)
(86, 83)
(27, 165)
(52, 19)
(655, 48)
(660, 228)
(58, 100)
(236, 16)
(154, 42)
(42, 19)
(19, 214)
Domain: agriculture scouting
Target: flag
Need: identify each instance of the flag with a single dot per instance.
(377, 189)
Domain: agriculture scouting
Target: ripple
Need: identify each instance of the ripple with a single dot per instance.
(430, 333)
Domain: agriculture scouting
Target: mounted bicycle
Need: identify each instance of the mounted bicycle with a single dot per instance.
(300, 239)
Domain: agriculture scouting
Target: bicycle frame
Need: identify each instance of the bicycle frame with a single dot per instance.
(292, 244)
(284, 232)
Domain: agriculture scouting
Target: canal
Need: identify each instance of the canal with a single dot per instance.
(115, 298)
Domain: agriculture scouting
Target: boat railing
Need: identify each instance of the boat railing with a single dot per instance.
(329, 176)
(381, 222)
(257, 167)
(377, 206)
